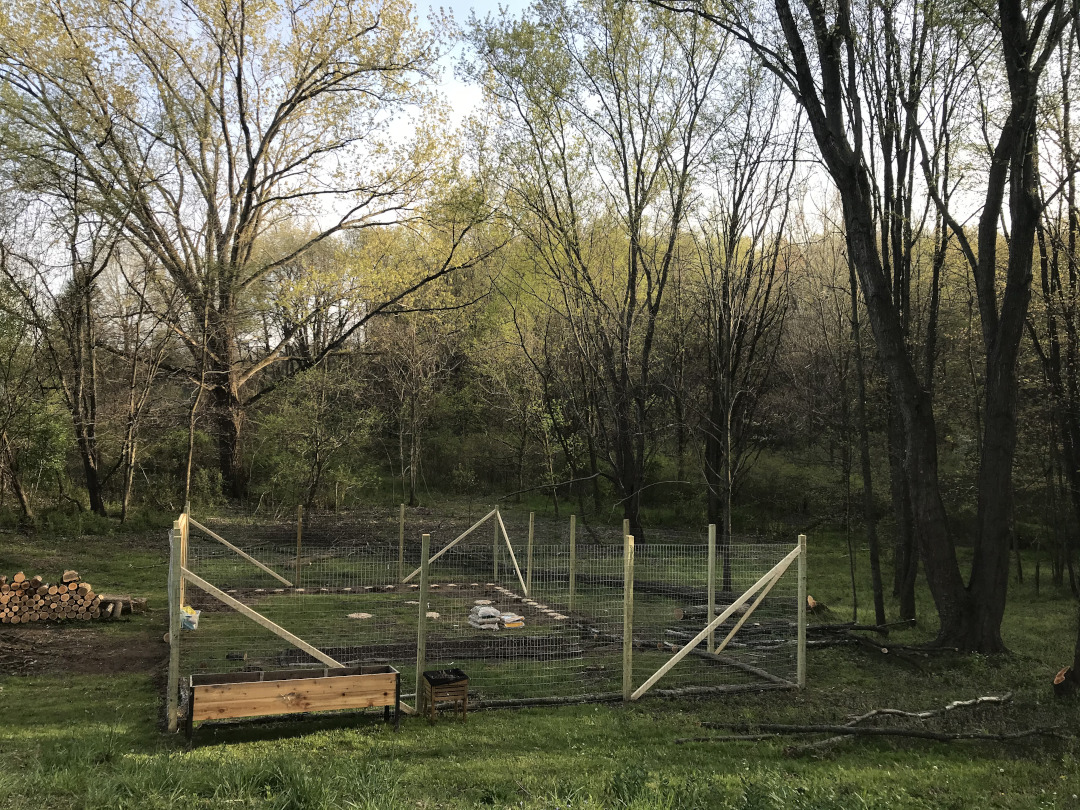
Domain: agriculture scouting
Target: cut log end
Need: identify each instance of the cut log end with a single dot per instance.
(1065, 682)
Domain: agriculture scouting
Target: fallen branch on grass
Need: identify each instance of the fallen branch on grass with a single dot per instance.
(924, 715)
(846, 627)
(768, 730)
(760, 731)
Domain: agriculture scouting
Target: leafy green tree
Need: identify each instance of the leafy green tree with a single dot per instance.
(200, 127)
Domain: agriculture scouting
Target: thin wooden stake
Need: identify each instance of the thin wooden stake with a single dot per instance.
(495, 548)
(513, 556)
(172, 694)
(401, 544)
(712, 585)
(573, 560)
(800, 667)
(239, 551)
(421, 622)
(299, 536)
(454, 542)
(261, 620)
(749, 612)
(529, 556)
(628, 617)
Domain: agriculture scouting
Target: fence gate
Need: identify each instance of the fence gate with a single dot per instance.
(741, 605)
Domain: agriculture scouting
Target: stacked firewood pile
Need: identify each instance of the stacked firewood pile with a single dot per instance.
(26, 599)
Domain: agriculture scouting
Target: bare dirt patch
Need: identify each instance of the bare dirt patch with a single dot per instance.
(59, 650)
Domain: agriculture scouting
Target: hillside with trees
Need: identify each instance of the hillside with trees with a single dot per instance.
(773, 266)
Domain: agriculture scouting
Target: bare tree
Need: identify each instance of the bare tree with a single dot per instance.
(739, 285)
(813, 49)
(607, 113)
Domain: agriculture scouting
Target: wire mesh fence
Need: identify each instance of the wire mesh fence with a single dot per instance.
(671, 598)
(537, 619)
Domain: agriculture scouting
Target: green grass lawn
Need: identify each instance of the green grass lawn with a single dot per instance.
(93, 740)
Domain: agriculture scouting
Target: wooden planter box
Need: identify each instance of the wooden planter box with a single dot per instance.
(258, 694)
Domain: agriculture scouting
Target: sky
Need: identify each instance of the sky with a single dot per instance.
(465, 99)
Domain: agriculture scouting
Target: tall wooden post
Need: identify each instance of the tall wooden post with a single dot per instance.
(299, 536)
(172, 694)
(528, 556)
(421, 623)
(628, 617)
(184, 531)
(401, 544)
(573, 560)
(800, 667)
(712, 585)
(495, 547)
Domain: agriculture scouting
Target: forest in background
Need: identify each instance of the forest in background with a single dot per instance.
(756, 265)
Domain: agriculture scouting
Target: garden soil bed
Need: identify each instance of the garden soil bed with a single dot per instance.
(83, 651)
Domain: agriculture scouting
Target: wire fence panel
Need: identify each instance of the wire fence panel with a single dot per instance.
(560, 640)
(526, 646)
(671, 599)
(348, 605)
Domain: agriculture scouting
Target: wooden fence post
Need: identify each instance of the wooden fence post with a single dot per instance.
(421, 623)
(711, 646)
(628, 617)
(401, 544)
(173, 686)
(800, 667)
(528, 557)
(573, 560)
(299, 535)
(185, 527)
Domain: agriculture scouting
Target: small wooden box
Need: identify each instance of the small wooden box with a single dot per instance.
(255, 694)
(446, 685)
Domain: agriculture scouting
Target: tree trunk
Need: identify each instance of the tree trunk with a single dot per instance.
(16, 484)
(229, 411)
(864, 455)
(920, 467)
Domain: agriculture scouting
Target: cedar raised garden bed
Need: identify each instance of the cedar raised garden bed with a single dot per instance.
(259, 694)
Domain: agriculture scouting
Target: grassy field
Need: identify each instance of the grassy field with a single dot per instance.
(79, 726)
